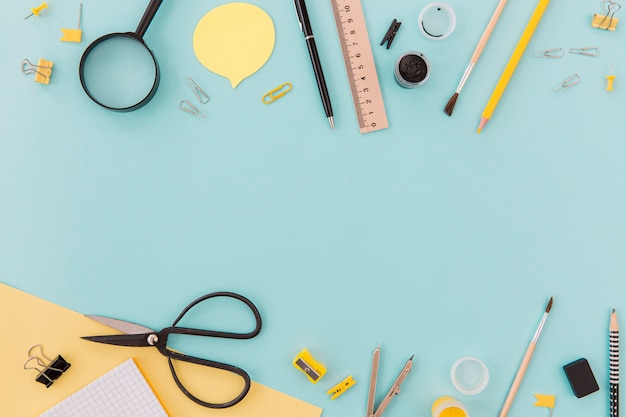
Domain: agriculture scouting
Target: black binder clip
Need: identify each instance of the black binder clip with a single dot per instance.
(391, 33)
(49, 370)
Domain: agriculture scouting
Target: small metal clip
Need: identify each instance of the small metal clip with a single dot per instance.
(586, 51)
(42, 71)
(606, 19)
(49, 370)
(550, 53)
(186, 106)
(570, 81)
(199, 92)
(341, 387)
(277, 93)
(391, 33)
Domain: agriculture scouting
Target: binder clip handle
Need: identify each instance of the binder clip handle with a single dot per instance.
(47, 372)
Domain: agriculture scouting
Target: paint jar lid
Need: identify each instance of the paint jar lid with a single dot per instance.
(447, 406)
(412, 69)
(437, 21)
(469, 375)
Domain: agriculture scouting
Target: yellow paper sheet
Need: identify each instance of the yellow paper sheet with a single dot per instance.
(26, 320)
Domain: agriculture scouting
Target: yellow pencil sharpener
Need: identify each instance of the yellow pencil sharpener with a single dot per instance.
(305, 363)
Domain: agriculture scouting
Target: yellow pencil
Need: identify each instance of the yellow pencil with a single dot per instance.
(512, 64)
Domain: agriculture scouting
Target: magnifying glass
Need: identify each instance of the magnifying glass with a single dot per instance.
(118, 71)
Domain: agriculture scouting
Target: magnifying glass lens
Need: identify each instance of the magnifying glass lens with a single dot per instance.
(119, 72)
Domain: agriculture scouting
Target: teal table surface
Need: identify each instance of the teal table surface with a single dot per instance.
(426, 238)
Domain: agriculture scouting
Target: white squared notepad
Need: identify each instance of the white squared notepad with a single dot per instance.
(121, 392)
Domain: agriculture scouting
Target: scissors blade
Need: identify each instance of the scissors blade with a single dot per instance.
(133, 340)
(126, 327)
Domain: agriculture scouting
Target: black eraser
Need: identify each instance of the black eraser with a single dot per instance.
(580, 377)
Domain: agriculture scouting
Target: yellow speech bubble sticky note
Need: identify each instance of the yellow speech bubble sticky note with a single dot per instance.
(234, 40)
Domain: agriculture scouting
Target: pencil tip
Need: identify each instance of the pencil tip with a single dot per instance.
(613, 326)
(451, 103)
(549, 306)
(483, 122)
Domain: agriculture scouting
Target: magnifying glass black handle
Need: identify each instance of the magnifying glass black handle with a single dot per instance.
(147, 17)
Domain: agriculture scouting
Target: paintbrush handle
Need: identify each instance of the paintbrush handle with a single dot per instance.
(518, 379)
(487, 33)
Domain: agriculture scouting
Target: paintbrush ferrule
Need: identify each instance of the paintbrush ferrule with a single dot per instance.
(540, 328)
(465, 76)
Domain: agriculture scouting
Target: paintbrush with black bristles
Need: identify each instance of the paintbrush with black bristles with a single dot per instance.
(525, 362)
(474, 59)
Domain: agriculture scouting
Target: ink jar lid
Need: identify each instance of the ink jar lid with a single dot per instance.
(412, 69)
(437, 21)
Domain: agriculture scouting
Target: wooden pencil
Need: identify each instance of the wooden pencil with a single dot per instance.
(613, 366)
(512, 64)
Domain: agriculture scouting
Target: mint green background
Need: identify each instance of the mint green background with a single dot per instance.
(426, 237)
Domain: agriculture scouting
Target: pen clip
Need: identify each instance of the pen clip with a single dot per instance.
(298, 14)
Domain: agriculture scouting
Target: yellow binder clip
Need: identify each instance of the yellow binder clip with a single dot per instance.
(277, 93)
(341, 387)
(42, 71)
(606, 19)
(305, 362)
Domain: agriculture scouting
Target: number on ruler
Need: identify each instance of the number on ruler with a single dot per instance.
(359, 61)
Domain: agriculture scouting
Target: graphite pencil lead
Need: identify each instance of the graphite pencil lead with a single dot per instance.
(613, 323)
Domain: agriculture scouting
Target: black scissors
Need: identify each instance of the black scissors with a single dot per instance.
(139, 336)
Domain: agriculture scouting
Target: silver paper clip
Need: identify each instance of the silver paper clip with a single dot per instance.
(186, 106)
(586, 51)
(199, 92)
(550, 53)
(570, 81)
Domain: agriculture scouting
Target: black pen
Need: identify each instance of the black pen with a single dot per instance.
(305, 26)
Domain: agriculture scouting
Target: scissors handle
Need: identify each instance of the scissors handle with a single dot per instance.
(230, 368)
(172, 355)
(214, 333)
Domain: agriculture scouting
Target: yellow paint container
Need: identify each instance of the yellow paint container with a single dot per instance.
(448, 407)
